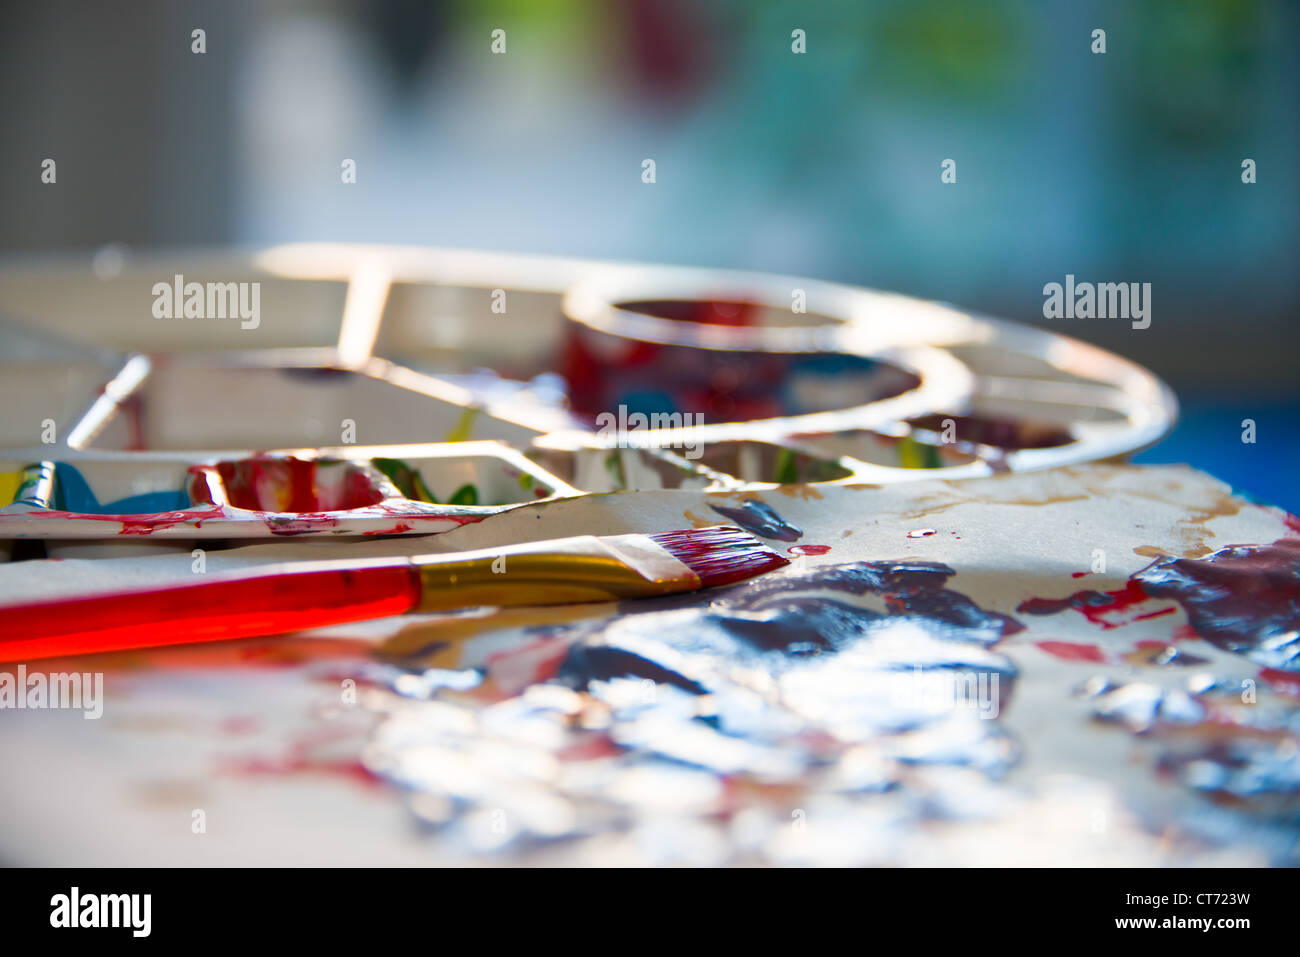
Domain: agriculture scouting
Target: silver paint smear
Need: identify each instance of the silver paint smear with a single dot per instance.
(858, 701)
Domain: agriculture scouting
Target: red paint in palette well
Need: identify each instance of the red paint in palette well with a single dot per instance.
(289, 484)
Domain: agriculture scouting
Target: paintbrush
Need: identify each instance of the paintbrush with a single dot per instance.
(274, 599)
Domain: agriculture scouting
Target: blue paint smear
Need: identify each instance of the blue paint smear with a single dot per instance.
(759, 518)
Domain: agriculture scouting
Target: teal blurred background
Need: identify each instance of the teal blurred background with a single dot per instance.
(1122, 166)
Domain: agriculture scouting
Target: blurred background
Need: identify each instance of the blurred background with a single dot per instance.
(1123, 166)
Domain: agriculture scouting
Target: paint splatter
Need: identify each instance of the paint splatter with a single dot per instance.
(1110, 609)
(802, 550)
(1244, 599)
(921, 533)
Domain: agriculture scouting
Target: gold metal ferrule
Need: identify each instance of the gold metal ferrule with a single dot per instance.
(580, 569)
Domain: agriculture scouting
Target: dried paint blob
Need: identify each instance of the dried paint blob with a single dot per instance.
(921, 533)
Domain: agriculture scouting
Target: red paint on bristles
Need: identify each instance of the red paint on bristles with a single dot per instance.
(720, 555)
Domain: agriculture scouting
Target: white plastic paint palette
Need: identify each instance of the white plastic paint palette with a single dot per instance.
(383, 490)
(439, 398)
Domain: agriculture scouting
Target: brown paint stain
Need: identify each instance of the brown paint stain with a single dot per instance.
(698, 521)
(1024, 500)
(1151, 551)
(1225, 507)
(743, 495)
(803, 492)
(171, 794)
(1169, 491)
(1198, 550)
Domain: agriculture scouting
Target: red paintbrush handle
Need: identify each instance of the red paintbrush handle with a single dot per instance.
(208, 611)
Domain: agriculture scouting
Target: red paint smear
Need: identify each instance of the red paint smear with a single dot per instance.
(1079, 574)
(1071, 651)
(1288, 680)
(146, 524)
(1097, 607)
(350, 769)
(808, 549)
